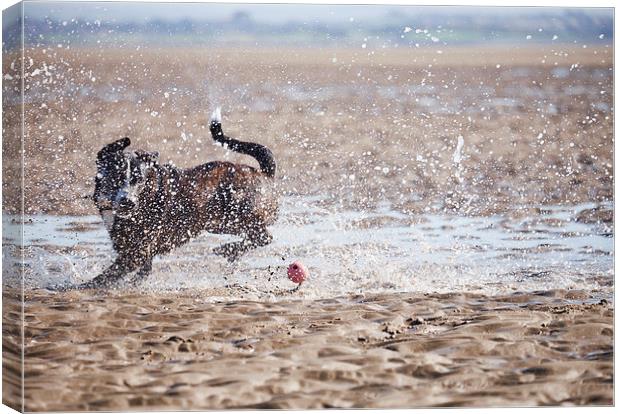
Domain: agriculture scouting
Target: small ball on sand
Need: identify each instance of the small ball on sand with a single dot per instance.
(297, 272)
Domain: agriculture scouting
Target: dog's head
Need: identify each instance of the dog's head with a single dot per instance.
(122, 177)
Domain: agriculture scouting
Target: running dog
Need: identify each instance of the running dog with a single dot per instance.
(149, 208)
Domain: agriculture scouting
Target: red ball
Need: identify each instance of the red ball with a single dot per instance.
(297, 272)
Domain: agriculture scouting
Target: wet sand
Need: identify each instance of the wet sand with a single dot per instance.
(360, 126)
(129, 351)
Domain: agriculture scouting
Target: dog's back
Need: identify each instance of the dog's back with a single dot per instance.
(231, 197)
(217, 197)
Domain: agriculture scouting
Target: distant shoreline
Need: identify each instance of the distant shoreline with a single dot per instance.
(538, 55)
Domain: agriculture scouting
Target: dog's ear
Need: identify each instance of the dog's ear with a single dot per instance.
(113, 148)
(122, 143)
(118, 145)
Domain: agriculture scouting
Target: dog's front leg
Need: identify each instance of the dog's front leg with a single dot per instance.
(111, 275)
(143, 273)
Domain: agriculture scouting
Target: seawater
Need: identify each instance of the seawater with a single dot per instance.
(347, 252)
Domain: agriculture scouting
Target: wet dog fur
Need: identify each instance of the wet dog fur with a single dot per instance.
(149, 208)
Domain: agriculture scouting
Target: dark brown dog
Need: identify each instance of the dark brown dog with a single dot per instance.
(150, 208)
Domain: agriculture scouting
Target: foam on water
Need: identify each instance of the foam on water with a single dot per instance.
(347, 252)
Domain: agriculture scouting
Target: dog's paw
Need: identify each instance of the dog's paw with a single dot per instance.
(136, 281)
(61, 288)
(223, 250)
(91, 284)
(233, 258)
(228, 250)
(100, 283)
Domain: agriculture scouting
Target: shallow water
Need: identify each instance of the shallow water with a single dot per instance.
(347, 252)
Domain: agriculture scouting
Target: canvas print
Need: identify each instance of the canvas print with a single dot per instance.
(303, 206)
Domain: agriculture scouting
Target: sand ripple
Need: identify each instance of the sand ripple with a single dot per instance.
(129, 351)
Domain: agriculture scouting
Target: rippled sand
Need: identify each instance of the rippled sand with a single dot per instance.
(127, 351)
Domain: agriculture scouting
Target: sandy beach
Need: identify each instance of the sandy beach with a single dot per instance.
(128, 351)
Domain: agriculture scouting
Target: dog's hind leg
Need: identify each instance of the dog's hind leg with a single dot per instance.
(255, 238)
(232, 250)
(259, 237)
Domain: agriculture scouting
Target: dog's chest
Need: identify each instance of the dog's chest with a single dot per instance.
(108, 219)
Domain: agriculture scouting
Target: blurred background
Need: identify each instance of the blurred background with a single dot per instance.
(361, 104)
(80, 23)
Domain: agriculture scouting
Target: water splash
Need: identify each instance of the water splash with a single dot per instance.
(348, 252)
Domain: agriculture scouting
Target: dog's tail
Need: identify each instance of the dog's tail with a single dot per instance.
(262, 154)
